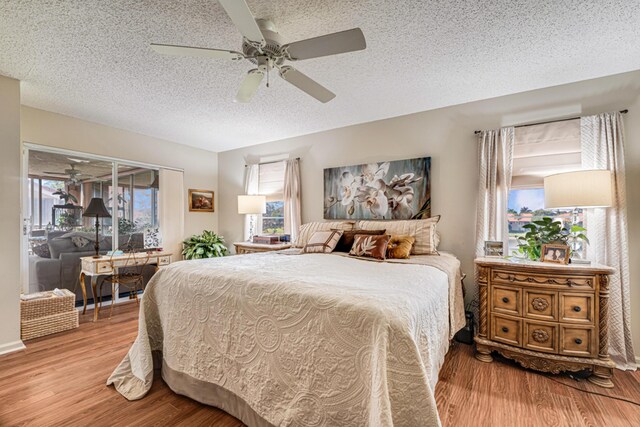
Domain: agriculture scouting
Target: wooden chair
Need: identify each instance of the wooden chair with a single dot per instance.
(127, 272)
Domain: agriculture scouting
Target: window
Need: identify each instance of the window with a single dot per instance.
(271, 185)
(539, 151)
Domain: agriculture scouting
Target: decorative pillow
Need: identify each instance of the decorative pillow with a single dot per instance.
(346, 241)
(370, 246)
(306, 230)
(423, 230)
(322, 242)
(80, 241)
(400, 247)
(42, 250)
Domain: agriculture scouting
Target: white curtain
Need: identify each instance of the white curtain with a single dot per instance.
(252, 187)
(292, 190)
(602, 139)
(172, 205)
(495, 155)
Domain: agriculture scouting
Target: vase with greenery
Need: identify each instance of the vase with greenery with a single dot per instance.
(546, 230)
(206, 245)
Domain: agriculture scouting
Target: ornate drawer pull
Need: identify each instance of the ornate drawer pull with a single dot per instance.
(505, 300)
(577, 309)
(505, 329)
(539, 304)
(540, 335)
(578, 341)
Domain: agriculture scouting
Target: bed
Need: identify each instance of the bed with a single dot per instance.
(284, 338)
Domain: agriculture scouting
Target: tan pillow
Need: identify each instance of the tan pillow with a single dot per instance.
(306, 230)
(370, 246)
(423, 230)
(322, 242)
(400, 247)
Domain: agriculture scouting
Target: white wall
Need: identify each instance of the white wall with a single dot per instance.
(10, 215)
(200, 166)
(447, 136)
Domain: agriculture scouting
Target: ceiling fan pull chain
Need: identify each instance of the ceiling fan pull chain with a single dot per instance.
(268, 76)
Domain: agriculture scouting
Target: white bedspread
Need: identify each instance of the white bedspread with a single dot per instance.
(312, 340)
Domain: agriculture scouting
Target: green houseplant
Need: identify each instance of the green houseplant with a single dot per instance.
(206, 245)
(546, 230)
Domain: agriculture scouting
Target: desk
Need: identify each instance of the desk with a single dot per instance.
(94, 267)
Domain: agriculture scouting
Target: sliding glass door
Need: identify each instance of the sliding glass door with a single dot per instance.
(59, 186)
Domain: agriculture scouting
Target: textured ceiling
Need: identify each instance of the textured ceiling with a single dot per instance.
(91, 59)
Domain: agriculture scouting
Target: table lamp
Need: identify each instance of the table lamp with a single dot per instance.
(580, 189)
(252, 205)
(99, 210)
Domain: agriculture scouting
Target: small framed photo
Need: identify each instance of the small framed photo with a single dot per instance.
(493, 248)
(200, 201)
(559, 254)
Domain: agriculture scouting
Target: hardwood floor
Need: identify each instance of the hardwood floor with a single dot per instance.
(60, 381)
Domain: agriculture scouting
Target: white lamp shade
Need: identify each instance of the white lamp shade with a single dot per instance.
(580, 189)
(252, 205)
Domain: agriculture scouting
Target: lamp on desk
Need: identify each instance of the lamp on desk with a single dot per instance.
(99, 210)
(578, 190)
(252, 205)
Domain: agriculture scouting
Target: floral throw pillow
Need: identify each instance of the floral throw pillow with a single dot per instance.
(370, 246)
(322, 242)
(42, 250)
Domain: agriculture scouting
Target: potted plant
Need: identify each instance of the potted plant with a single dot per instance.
(206, 245)
(546, 230)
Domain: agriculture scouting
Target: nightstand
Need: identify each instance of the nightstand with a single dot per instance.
(545, 316)
(250, 248)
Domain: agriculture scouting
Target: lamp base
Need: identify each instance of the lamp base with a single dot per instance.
(96, 256)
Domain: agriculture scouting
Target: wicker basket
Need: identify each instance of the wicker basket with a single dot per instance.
(47, 325)
(48, 315)
(51, 304)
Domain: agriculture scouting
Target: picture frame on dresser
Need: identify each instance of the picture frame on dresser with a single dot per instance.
(556, 253)
(546, 316)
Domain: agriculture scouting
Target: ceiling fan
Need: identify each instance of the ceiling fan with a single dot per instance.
(73, 173)
(264, 47)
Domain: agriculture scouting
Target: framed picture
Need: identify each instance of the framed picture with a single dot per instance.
(555, 253)
(399, 189)
(200, 201)
(493, 248)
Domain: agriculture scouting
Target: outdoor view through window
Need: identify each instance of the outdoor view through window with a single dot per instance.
(527, 205)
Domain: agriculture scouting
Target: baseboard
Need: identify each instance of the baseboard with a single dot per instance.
(11, 347)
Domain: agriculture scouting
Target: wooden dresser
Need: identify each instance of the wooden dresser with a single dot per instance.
(548, 317)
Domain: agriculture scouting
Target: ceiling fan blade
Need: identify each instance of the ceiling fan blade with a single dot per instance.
(243, 19)
(330, 44)
(249, 86)
(200, 52)
(306, 84)
(55, 173)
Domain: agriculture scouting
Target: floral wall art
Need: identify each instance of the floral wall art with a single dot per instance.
(398, 189)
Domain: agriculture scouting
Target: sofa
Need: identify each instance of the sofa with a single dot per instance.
(61, 268)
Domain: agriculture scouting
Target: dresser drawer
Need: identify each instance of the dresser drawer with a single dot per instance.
(540, 336)
(577, 341)
(164, 260)
(544, 280)
(506, 300)
(506, 330)
(541, 305)
(577, 307)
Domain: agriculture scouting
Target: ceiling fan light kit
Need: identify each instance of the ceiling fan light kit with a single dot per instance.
(263, 46)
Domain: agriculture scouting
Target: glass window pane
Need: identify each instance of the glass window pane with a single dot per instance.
(527, 205)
